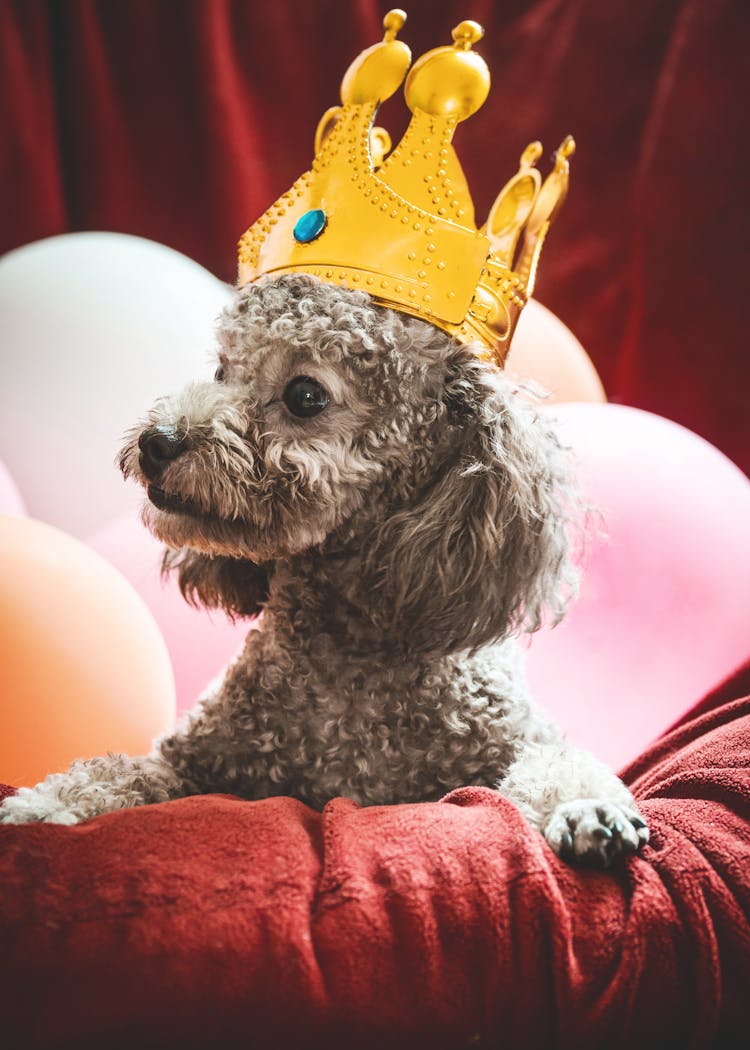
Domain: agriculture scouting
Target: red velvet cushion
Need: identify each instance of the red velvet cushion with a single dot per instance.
(211, 921)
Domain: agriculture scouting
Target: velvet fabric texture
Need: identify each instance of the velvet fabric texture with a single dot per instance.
(211, 921)
(182, 122)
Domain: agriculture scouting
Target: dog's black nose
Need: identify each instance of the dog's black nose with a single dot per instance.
(159, 446)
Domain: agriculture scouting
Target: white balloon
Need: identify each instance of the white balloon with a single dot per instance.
(93, 327)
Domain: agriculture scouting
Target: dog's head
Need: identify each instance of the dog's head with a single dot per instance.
(333, 424)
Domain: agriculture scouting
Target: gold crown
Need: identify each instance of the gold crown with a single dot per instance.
(400, 225)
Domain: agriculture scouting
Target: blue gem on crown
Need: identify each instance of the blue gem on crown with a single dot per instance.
(310, 225)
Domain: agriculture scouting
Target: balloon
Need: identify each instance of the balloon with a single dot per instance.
(545, 351)
(200, 643)
(83, 668)
(94, 327)
(664, 610)
(10, 497)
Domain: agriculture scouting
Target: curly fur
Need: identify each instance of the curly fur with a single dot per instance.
(397, 542)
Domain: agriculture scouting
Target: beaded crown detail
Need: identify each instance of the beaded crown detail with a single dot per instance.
(400, 224)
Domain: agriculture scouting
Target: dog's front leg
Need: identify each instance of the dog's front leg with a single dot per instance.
(584, 811)
(93, 786)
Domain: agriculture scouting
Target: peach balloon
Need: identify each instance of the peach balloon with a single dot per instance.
(545, 351)
(83, 667)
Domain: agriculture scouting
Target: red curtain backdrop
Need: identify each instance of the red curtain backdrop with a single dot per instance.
(181, 120)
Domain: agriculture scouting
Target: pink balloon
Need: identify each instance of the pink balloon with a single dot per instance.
(10, 498)
(664, 609)
(200, 643)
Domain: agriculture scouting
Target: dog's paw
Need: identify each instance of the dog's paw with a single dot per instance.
(593, 832)
(31, 806)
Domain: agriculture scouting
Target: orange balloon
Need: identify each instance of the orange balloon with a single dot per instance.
(83, 667)
(546, 351)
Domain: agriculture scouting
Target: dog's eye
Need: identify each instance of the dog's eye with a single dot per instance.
(220, 374)
(305, 397)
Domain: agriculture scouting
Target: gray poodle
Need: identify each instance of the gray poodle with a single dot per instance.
(399, 514)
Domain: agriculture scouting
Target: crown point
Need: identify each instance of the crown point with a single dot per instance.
(449, 82)
(392, 23)
(531, 154)
(379, 70)
(567, 147)
(467, 33)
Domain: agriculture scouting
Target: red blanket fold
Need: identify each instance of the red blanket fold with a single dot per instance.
(212, 921)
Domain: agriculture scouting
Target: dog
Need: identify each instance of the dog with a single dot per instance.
(400, 515)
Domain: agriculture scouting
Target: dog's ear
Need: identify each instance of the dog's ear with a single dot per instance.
(239, 587)
(483, 552)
